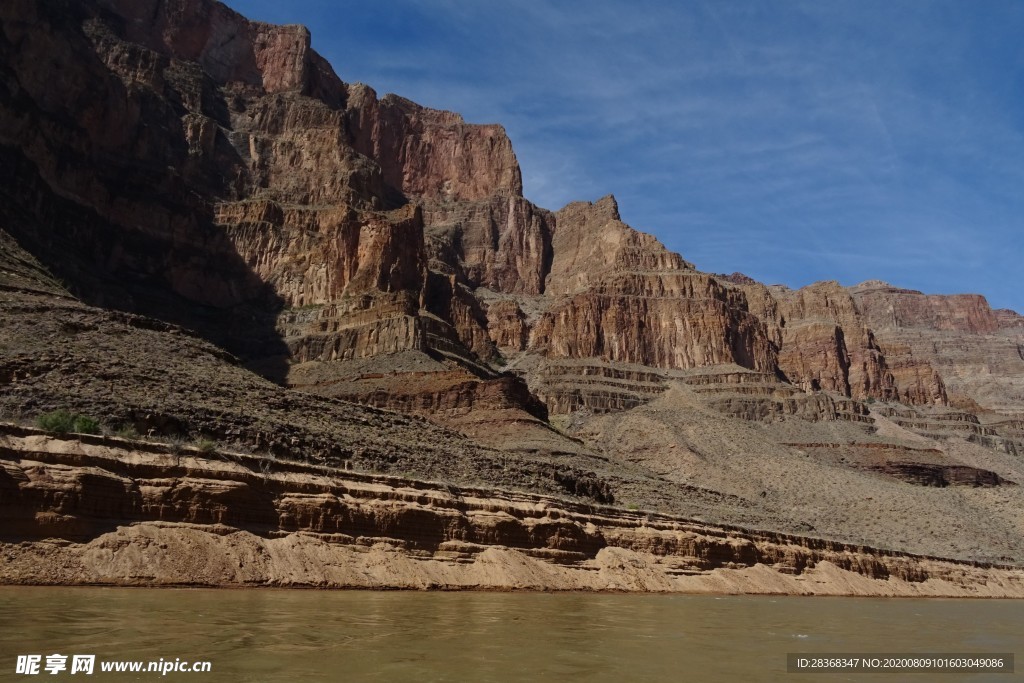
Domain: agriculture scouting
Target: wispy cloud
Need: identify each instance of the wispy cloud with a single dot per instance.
(869, 140)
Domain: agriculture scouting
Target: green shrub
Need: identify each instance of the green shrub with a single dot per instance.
(59, 421)
(84, 424)
(206, 446)
(127, 432)
(63, 422)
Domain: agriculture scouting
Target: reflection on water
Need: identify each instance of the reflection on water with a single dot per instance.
(272, 636)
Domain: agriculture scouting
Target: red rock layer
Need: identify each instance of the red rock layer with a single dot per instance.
(618, 295)
(956, 345)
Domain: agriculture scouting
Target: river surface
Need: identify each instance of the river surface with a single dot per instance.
(272, 636)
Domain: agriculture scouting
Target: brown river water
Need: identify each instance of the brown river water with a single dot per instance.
(271, 636)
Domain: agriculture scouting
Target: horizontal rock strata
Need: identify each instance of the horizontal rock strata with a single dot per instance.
(105, 514)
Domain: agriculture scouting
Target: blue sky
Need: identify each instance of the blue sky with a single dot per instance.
(792, 141)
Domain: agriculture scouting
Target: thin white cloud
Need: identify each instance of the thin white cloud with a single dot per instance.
(879, 139)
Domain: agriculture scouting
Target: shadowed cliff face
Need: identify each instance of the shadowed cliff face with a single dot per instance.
(109, 157)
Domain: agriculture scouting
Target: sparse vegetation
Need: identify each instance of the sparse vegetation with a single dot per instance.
(303, 308)
(127, 432)
(265, 465)
(64, 422)
(11, 414)
(86, 425)
(206, 446)
(58, 421)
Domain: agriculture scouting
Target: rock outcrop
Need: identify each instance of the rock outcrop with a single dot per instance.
(291, 181)
(620, 295)
(955, 346)
(826, 344)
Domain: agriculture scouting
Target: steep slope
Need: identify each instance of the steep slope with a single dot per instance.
(145, 378)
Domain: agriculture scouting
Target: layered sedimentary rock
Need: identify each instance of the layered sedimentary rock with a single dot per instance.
(944, 424)
(160, 519)
(432, 154)
(620, 295)
(827, 344)
(300, 169)
(762, 397)
(973, 352)
(615, 296)
(916, 382)
(290, 179)
(886, 306)
(503, 243)
(590, 385)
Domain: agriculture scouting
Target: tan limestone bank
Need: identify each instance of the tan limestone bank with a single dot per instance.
(105, 511)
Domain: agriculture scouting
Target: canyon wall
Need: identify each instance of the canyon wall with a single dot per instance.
(308, 220)
(955, 347)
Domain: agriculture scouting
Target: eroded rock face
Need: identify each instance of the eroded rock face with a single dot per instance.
(952, 345)
(827, 344)
(916, 381)
(265, 159)
(431, 154)
(173, 159)
(503, 243)
(619, 295)
(886, 306)
(145, 519)
(203, 161)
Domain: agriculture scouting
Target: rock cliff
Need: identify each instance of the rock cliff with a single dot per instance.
(953, 345)
(290, 180)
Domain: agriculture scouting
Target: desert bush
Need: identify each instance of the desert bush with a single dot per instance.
(127, 432)
(84, 424)
(59, 421)
(206, 446)
(64, 422)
